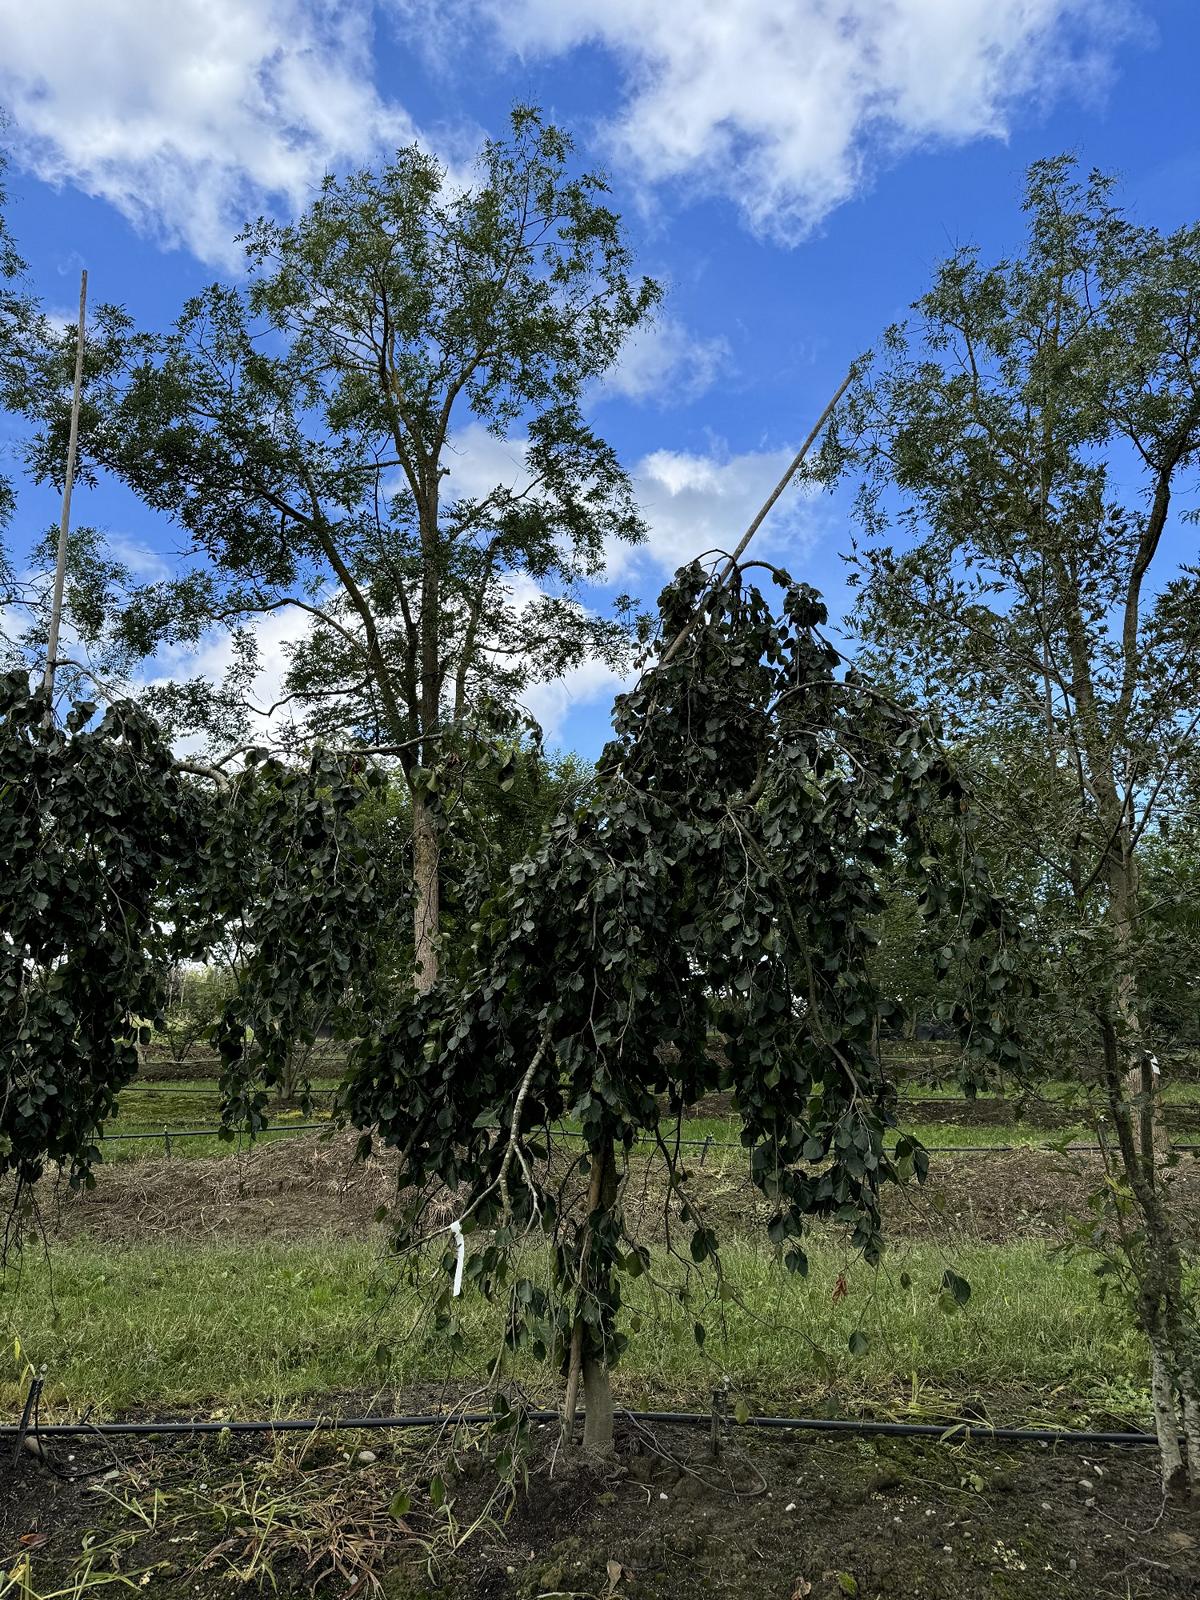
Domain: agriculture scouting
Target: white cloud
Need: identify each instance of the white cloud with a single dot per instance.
(275, 634)
(695, 503)
(190, 117)
(691, 501)
(785, 106)
(551, 704)
(478, 461)
(145, 564)
(552, 701)
(662, 361)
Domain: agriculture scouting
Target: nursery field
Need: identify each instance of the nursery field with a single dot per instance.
(620, 1221)
(230, 1283)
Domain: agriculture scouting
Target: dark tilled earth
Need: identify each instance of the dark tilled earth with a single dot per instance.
(783, 1518)
(310, 1184)
(778, 1516)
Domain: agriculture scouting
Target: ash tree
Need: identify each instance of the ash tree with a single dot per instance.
(723, 875)
(1026, 452)
(326, 439)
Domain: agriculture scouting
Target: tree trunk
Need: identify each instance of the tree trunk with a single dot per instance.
(587, 1367)
(1141, 1081)
(285, 1094)
(1166, 1422)
(427, 892)
(427, 908)
(1167, 1319)
(597, 1409)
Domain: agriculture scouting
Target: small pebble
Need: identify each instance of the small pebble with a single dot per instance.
(1086, 1485)
(365, 1457)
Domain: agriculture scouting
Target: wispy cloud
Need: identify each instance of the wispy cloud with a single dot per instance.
(665, 363)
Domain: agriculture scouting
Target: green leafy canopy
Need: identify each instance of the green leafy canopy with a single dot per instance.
(722, 877)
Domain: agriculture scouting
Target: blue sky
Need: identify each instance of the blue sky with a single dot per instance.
(793, 169)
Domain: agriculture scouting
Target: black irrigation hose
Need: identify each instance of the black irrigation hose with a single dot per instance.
(954, 1432)
(204, 1133)
(206, 1087)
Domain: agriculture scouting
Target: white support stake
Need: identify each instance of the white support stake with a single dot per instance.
(60, 568)
(461, 1243)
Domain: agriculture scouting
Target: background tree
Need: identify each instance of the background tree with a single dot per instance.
(115, 865)
(1032, 441)
(95, 826)
(723, 874)
(13, 304)
(305, 435)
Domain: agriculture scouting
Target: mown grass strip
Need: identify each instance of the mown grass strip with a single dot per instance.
(269, 1325)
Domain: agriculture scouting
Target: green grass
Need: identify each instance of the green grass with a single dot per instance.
(154, 1107)
(1053, 1089)
(724, 1131)
(119, 1151)
(269, 1325)
(724, 1153)
(149, 1108)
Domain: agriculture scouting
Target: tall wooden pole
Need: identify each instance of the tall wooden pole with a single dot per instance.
(679, 639)
(60, 570)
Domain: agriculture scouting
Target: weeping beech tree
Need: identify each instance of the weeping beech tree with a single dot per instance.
(724, 876)
(116, 863)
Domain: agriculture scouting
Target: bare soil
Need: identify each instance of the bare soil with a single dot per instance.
(777, 1517)
(311, 1184)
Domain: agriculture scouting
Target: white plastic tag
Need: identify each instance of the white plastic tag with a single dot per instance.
(456, 1230)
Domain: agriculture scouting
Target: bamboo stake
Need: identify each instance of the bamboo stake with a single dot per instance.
(679, 639)
(60, 570)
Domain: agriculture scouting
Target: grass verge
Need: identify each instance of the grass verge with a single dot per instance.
(263, 1326)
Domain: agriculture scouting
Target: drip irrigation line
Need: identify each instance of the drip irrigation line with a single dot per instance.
(951, 1432)
(201, 1086)
(206, 1133)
